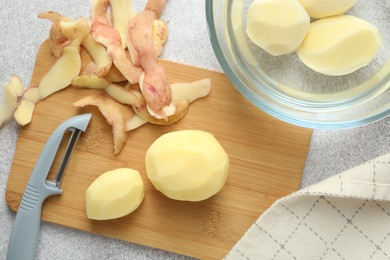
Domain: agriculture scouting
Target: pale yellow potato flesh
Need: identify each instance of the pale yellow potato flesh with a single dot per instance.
(17, 85)
(8, 104)
(189, 165)
(123, 95)
(339, 45)
(90, 81)
(98, 54)
(181, 108)
(24, 112)
(122, 13)
(325, 8)
(191, 91)
(134, 122)
(61, 74)
(277, 26)
(114, 194)
(75, 31)
(32, 94)
(25, 109)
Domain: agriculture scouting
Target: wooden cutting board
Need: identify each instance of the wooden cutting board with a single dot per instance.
(266, 161)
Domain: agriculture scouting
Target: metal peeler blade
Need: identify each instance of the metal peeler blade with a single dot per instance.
(24, 236)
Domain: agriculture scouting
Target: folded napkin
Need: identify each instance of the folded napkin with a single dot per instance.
(344, 217)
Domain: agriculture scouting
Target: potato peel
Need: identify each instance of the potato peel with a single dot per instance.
(65, 32)
(61, 74)
(8, 104)
(115, 114)
(117, 54)
(101, 61)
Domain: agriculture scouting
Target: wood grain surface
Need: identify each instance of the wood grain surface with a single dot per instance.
(266, 161)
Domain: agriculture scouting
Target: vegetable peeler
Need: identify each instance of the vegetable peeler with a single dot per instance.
(24, 236)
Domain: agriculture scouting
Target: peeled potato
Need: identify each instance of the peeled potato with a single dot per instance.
(325, 8)
(339, 45)
(277, 26)
(187, 165)
(114, 194)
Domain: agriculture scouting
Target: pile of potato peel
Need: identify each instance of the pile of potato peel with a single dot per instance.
(132, 87)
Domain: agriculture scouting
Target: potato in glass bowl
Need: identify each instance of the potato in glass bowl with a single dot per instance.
(290, 90)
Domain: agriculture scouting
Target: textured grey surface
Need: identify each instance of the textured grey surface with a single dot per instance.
(20, 35)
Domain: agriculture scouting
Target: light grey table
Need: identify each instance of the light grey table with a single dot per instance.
(21, 32)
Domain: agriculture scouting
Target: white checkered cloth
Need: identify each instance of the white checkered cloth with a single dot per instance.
(344, 217)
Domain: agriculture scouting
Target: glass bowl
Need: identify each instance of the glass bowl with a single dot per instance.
(286, 88)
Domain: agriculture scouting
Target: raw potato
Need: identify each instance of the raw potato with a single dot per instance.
(187, 165)
(114, 194)
(324, 8)
(339, 45)
(277, 26)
